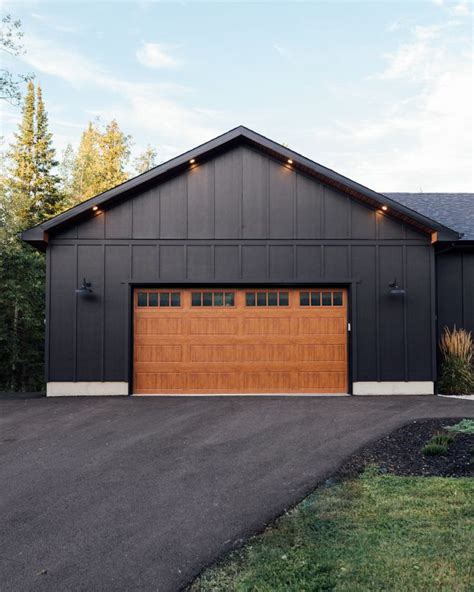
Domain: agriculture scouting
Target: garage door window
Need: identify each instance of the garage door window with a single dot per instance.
(162, 299)
(266, 298)
(321, 298)
(212, 299)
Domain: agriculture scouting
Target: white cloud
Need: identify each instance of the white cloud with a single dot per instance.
(423, 136)
(54, 24)
(146, 109)
(462, 9)
(156, 56)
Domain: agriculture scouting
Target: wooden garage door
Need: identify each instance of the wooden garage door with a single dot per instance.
(240, 341)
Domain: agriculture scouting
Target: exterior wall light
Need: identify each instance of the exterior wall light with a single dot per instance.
(85, 288)
(192, 161)
(395, 289)
(290, 161)
(384, 208)
(95, 208)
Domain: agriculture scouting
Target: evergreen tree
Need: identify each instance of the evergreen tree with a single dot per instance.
(146, 160)
(22, 156)
(48, 199)
(34, 186)
(28, 195)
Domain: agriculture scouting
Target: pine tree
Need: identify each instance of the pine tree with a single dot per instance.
(146, 160)
(22, 155)
(34, 186)
(28, 195)
(48, 199)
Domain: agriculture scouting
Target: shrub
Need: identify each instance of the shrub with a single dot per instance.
(465, 426)
(457, 375)
(434, 449)
(442, 439)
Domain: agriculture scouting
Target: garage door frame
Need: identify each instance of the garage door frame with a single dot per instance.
(348, 285)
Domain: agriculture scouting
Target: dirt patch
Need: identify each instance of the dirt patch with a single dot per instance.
(399, 453)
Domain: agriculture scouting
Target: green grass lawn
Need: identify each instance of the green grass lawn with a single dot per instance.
(375, 533)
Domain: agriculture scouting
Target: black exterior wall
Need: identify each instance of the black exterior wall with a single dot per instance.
(455, 286)
(240, 218)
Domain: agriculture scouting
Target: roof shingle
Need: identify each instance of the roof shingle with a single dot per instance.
(455, 210)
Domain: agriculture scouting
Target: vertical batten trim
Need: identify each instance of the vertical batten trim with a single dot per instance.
(157, 261)
(267, 197)
(47, 369)
(295, 213)
(433, 325)
(241, 267)
(405, 306)
(463, 299)
(377, 308)
(186, 209)
(241, 208)
(213, 200)
(76, 269)
(102, 345)
(158, 212)
(267, 260)
(323, 214)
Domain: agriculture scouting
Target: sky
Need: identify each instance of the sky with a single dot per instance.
(381, 92)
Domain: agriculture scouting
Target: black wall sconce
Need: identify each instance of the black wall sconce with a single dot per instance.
(85, 288)
(395, 289)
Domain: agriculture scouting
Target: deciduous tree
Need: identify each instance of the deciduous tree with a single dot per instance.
(146, 160)
(101, 160)
(11, 43)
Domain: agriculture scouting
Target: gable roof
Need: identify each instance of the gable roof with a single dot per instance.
(455, 210)
(38, 235)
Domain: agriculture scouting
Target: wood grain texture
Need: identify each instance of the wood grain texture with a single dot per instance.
(240, 349)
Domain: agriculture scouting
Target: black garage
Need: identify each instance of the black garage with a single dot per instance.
(243, 267)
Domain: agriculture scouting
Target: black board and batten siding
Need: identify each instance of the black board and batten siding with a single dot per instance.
(239, 218)
(455, 287)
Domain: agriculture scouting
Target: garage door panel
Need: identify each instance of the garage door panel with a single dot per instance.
(240, 352)
(164, 381)
(213, 326)
(321, 326)
(284, 347)
(333, 380)
(322, 352)
(158, 326)
(158, 353)
(238, 366)
(266, 326)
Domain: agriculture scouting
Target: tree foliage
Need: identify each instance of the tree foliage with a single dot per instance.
(146, 160)
(100, 162)
(29, 195)
(11, 43)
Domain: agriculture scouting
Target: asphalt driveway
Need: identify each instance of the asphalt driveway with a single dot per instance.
(141, 493)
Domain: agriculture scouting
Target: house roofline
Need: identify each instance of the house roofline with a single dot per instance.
(38, 235)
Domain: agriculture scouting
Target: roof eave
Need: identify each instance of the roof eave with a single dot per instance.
(278, 152)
